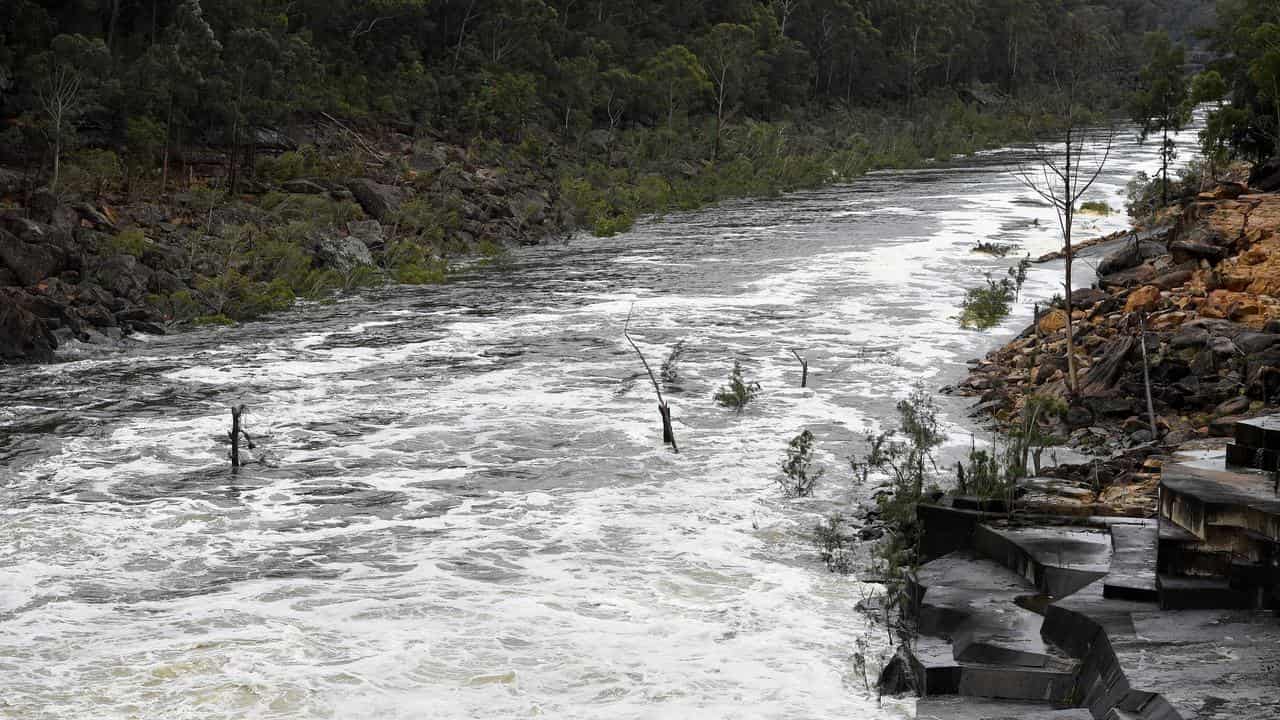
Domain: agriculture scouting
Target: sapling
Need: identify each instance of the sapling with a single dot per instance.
(738, 392)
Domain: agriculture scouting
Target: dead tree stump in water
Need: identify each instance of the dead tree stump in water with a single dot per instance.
(237, 432)
(664, 410)
(804, 369)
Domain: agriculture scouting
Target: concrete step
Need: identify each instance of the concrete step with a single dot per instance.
(1133, 563)
(1193, 593)
(1016, 683)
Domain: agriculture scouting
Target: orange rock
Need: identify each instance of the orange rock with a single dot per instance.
(1144, 299)
(1053, 321)
(1255, 255)
(1168, 321)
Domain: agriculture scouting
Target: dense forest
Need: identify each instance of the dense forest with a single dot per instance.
(245, 132)
(152, 78)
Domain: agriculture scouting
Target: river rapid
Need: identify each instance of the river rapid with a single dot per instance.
(462, 507)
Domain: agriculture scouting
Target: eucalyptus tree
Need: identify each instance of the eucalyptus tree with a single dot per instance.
(1162, 104)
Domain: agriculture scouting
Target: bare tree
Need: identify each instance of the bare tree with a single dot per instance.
(1062, 174)
(61, 102)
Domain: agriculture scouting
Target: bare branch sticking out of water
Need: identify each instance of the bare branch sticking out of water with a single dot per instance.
(668, 435)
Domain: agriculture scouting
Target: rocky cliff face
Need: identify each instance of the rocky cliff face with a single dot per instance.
(1205, 289)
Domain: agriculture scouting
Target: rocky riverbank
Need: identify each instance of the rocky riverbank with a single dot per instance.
(1204, 287)
(96, 268)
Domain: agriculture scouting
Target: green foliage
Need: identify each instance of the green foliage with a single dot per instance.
(738, 392)
(992, 248)
(1162, 105)
(130, 241)
(93, 172)
(833, 547)
(412, 263)
(1096, 207)
(985, 306)
(288, 166)
(904, 456)
(799, 476)
(1247, 42)
(1145, 196)
(315, 211)
(670, 371)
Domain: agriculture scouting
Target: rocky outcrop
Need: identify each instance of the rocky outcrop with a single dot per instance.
(23, 336)
(1209, 302)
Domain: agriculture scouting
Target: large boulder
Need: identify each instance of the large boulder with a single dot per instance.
(368, 232)
(379, 201)
(1130, 255)
(343, 254)
(23, 336)
(124, 276)
(29, 262)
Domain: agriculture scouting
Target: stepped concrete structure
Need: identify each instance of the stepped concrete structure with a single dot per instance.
(1111, 618)
(1220, 524)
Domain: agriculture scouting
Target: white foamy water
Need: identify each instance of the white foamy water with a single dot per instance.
(465, 510)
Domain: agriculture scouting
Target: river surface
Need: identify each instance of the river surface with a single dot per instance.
(462, 506)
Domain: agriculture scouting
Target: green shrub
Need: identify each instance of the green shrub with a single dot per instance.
(738, 392)
(288, 166)
(799, 476)
(94, 171)
(1096, 207)
(130, 241)
(984, 307)
(832, 546)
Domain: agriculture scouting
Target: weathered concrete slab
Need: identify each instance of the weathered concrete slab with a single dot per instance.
(1058, 560)
(1133, 563)
(1206, 664)
(1175, 664)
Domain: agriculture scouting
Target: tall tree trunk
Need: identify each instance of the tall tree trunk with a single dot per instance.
(57, 160)
(1164, 164)
(168, 135)
(1069, 254)
(111, 24)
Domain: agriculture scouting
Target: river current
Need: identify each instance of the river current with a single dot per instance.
(460, 505)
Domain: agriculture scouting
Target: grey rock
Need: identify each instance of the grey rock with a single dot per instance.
(378, 200)
(368, 232)
(1190, 337)
(1222, 346)
(124, 276)
(23, 336)
(1252, 342)
(344, 254)
(29, 262)
(1234, 406)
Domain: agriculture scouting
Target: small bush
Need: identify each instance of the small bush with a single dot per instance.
(738, 392)
(799, 475)
(991, 248)
(670, 372)
(1096, 207)
(288, 166)
(832, 546)
(984, 307)
(130, 241)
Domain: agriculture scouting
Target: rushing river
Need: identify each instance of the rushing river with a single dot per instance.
(463, 507)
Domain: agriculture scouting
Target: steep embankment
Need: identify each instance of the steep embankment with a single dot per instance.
(1206, 289)
(95, 271)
